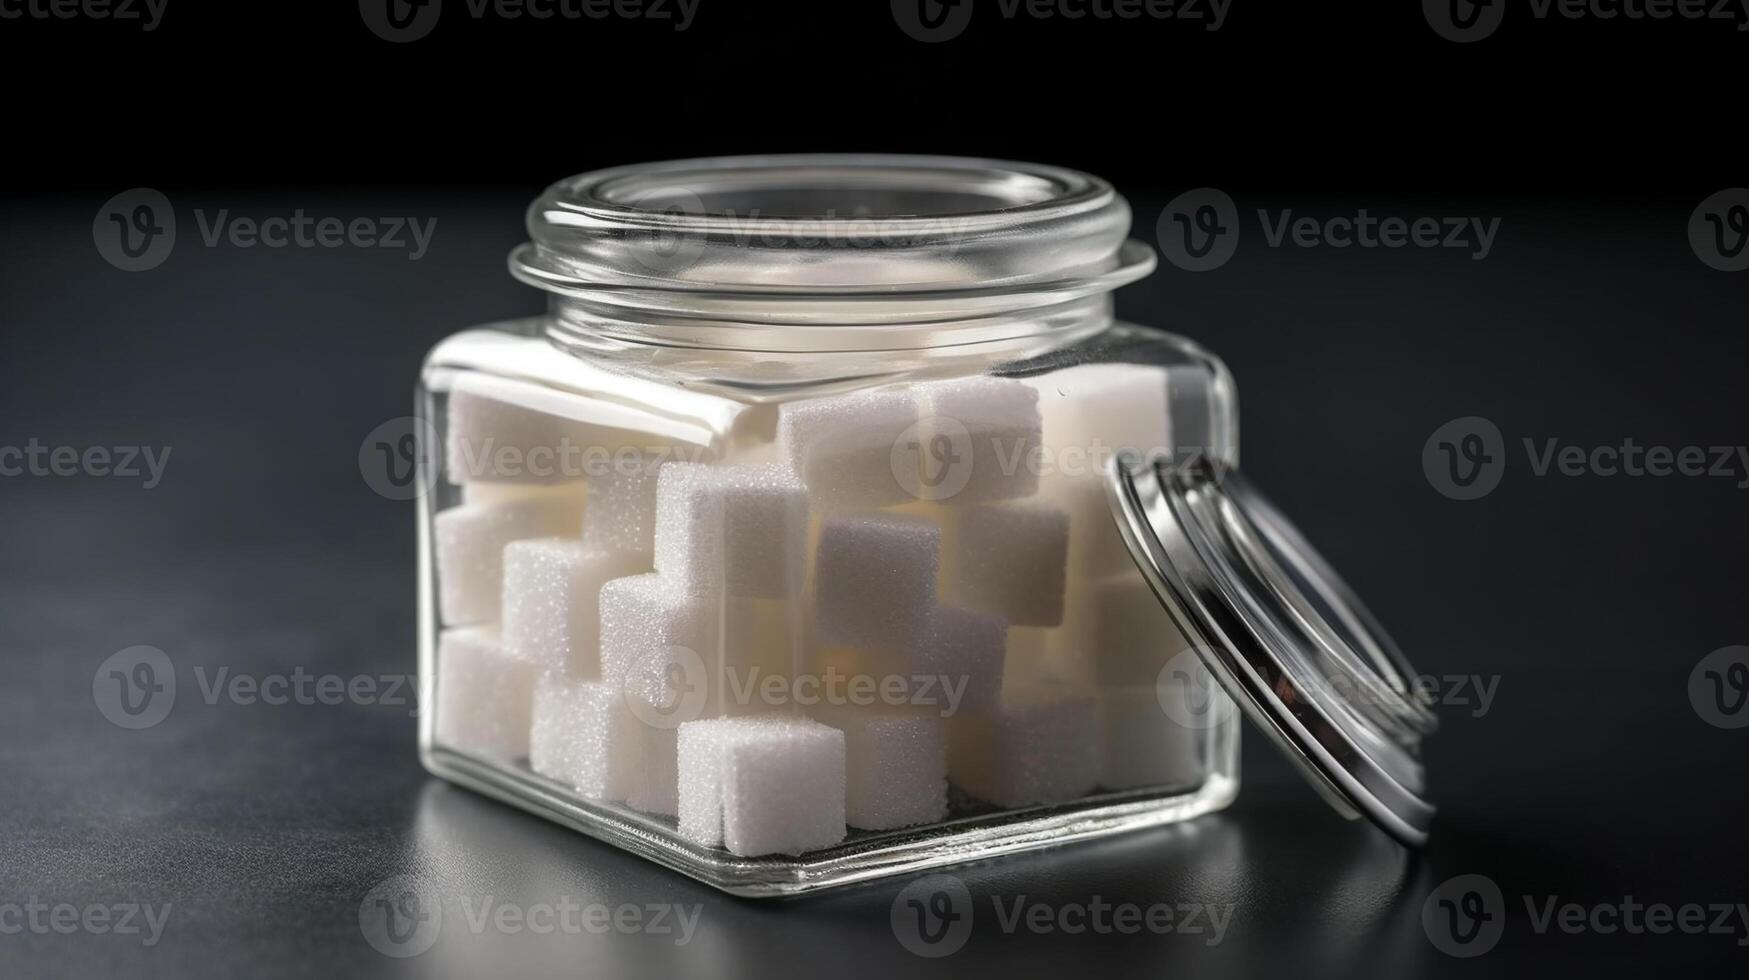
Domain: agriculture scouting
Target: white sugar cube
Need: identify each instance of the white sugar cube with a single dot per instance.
(692, 656)
(982, 442)
(662, 646)
(875, 579)
(895, 765)
(762, 784)
(1027, 662)
(551, 606)
(701, 749)
(470, 542)
(583, 736)
(765, 533)
(1037, 746)
(1096, 546)
(1037, 659)
(1117, 633)
(741, 530)
(689, 527)
(621, 514)
(1011, 561)
(854, 451)
(1092, 412)
(964, 647)
(1132, 634)
(492, 441)
(1142, 745)
(484, 699)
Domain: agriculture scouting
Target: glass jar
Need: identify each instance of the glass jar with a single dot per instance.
(782, 549)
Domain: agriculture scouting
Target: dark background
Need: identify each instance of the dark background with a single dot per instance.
(1588, 600)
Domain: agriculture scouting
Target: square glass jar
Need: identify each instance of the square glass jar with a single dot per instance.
(781, 550)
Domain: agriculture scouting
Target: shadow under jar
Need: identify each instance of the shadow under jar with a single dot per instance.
(811, 535)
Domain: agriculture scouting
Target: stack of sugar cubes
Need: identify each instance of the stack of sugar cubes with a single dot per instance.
(623, 634)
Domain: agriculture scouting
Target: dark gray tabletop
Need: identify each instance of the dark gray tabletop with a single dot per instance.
(1560, 618)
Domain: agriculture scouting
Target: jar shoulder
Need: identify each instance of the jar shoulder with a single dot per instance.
(1147, 381)
(519, 347)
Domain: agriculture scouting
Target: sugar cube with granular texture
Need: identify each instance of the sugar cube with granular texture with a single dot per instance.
(551, 606)
(586, 735)
(484, 698)
(701, 748)
(1092, 412)
(470, 541)
(689, 528)
(762, 784)
(765, 531)
(489, 440)
(583, 736)
(662, 645)
(621, 513)
(874, 579)
(700, 655)
(982, 441)
(783, 790)
(1038, 745)
(854, 451)
(895, 766)
(740, 530)
(967, 649)
(1011, 561)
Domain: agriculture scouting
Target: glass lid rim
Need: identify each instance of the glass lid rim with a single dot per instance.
(1359, 767)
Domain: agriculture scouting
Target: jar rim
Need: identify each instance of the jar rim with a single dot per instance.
(1009, 192)
(732, 237)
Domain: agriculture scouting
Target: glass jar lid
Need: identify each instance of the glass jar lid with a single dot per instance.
(1284, 635)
